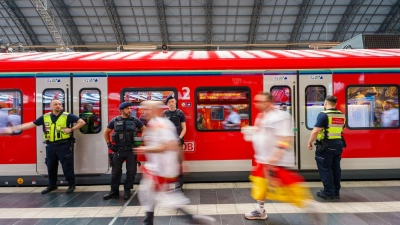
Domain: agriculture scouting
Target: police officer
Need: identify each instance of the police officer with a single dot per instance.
(124, 127)
(57, 133)
(177, 117)
(329, 146)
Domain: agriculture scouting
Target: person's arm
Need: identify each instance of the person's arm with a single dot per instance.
(183, 125)
(322, 121)
(183, 132)
(143, 129)
(106, 135)
(80, 123)
(313, 136)
(25, 126)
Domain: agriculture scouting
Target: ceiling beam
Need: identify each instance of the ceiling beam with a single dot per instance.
(69, 24)
(392, 18)
(347, 19)
(22, 24)
(255, 21)
(301, 19)
(162, 21)
(209, 18)
(115, 21)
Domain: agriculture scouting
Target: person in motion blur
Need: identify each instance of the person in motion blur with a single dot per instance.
(272, 137)
(162, 167)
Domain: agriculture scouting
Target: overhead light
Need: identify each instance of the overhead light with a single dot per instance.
(139, 47)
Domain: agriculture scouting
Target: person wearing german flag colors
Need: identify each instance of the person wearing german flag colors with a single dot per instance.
(328, 133)
(271, 137)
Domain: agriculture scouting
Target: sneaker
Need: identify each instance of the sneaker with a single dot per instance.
(255, 215)
(199, 219)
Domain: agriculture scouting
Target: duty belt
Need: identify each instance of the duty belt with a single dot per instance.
(56, 142)
(125, 148)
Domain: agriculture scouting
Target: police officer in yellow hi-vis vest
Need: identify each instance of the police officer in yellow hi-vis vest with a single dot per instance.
(329, 144)
(57, 133)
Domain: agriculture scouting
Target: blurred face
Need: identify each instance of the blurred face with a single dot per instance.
(127, 112)
(56, 106)
(171, 104)
(387, 106)
(262, 102)
(229, 110)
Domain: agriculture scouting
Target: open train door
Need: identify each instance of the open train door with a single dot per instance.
(90, 104)
(76, 92)
(314, 86)
(283, 86)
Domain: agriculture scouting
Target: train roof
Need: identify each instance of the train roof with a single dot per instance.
(199, 60)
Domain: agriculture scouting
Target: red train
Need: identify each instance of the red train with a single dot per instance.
(207, 83)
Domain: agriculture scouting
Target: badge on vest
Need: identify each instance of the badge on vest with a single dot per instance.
(337, 120)
(46, 124)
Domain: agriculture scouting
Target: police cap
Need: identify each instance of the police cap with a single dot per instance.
(169, 98)
(124, 105)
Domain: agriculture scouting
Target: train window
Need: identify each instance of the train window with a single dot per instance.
(136, 96)
(281, 96)
(10, 108)
(48, 95)
(315, 98)
(373, 106)
(222, 108)
(90, 110)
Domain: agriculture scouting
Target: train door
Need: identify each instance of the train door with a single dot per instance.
(73, 94)
(90, 104)
(49, 86)
(283, 86)
(314, 86)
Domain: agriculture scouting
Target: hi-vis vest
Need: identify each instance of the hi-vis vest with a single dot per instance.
(336, 121)
(54, 131)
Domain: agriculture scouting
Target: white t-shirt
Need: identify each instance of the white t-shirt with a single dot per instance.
(3, 118)
(389, 116)
(233, 118)
(158, 132)
(268, 129)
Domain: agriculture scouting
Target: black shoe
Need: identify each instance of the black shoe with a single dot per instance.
(111, 194)
(71, 189)
(337, 196)
(149, 219)
(127, 194)
(49, 189)
(323, 196)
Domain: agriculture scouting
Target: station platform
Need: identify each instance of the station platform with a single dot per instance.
(361, 202)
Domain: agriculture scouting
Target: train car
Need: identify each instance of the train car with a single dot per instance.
(208, 85)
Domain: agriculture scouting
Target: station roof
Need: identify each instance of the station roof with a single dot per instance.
(103, 25)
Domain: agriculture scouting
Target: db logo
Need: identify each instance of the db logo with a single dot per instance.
(188, 146)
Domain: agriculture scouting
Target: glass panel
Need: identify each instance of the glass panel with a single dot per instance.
(136, 97)
(50, 94)
(282, 96)
(10, 109)
(90, 110)
(373, 106)
(222, 109)
(315, 98)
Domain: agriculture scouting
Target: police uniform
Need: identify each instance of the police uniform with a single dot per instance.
(330, 145)
(177, 117)
(123, 138)
(58, 147)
